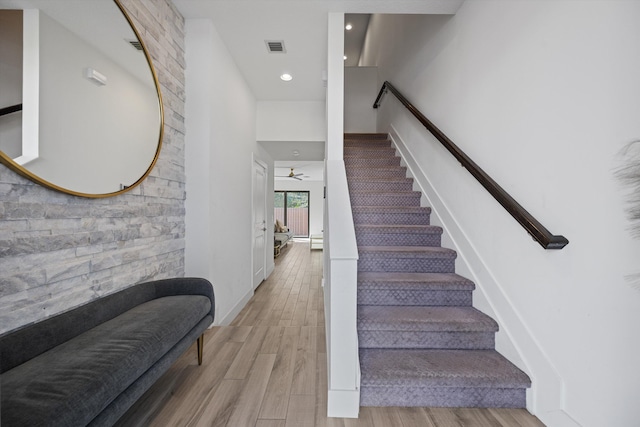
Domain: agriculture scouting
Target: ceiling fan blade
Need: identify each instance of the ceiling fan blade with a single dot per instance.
(296, 177)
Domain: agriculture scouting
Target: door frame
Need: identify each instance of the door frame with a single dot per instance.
(255, 161)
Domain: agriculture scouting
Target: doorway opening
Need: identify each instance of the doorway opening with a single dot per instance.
(292, 209)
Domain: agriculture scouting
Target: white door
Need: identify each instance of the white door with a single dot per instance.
(259, 222)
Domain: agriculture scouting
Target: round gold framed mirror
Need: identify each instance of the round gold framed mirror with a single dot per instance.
(80, 100)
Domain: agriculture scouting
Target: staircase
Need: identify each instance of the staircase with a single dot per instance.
(421, 342)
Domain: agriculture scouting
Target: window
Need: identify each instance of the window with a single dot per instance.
(292, 209)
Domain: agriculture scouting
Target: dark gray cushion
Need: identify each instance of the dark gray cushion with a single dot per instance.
(27, 342)
(125, 400)
(74, 381)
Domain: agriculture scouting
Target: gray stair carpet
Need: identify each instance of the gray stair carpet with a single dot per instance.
(421, 341)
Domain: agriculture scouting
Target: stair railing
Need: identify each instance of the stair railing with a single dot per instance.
(539, 233)
(11, 109)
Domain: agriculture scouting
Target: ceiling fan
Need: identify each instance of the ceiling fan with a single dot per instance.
(291, 175)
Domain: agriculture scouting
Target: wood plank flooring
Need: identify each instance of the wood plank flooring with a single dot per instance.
(268, 368)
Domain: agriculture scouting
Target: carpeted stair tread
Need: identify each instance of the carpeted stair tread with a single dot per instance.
(419, 318)
(380, 181)
(409, 251)
(413, 259)
(351, 146)
(391, 235)
(414, 289)
(368, 152)
(376, 173)
(439, 368)
(355, 144)
(372, 161)
(399, 228)
(392, 209)
(351, 141)
(403, 179)
(364, 168)
(355, 140)
(387, 185)
(424, 327)
(444, 397)
(391, 215)
(369, 196)
(384, 193)
(384, 280)
(354, 171)
(366, 136)
(374, 198)
(392, 178)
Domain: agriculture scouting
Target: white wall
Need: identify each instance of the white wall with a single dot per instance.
(221, 137)
(335, 88)
(542, 95)
(360, 91)
(316, 199)
(291, 121)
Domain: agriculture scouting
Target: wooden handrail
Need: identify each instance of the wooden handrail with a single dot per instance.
(12, 109)
(532, 225)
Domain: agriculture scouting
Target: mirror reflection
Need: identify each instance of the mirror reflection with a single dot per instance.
(90, 118)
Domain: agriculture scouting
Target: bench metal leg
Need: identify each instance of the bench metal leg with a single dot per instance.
(200, 343)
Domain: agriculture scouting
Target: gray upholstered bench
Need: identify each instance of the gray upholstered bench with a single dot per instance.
(89, 365)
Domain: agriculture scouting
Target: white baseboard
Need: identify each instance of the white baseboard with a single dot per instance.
(270, 269)
(228, 318)
(517, 343)
(343, 403)
(558, 419)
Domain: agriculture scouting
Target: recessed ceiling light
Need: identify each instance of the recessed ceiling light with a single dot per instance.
(344, 57)
(348, 27)
(286, 77)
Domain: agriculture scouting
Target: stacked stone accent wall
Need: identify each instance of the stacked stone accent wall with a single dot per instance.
(59, 251)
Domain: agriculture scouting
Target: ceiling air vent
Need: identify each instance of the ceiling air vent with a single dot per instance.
(136, 44)
(275, 46)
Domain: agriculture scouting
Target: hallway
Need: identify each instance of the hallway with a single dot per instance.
(268, 368)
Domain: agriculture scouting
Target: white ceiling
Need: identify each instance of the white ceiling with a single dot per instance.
(244, 25)
(294, 151)
(354, 38)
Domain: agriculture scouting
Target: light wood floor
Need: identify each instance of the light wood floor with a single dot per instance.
(268, 368)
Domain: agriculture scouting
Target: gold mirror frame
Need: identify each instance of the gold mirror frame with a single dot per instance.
(20, 170)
